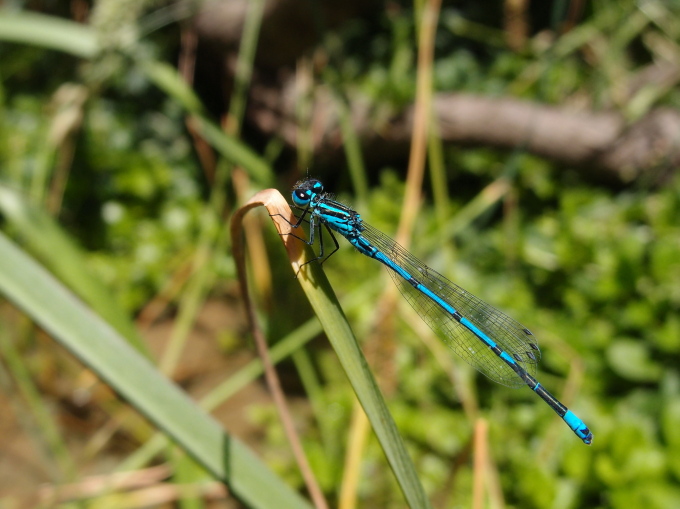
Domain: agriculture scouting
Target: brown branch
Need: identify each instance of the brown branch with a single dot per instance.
(602, 143)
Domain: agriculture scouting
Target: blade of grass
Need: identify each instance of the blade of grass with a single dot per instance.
(235, 151)
(241, 378)
(49, 32)
(56, 452)
(168, 79)
(244, 66)
(31, 288)
(427, 25)
(328, 310)
(480, 204)
(358, 437)
(438, 184)
(270, 375)
(285, 347)
(479, 463)
(352, 146)
(47, 240)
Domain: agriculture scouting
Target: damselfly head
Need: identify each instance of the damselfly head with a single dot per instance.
(304, 191)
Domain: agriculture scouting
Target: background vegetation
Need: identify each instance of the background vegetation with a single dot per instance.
(120, 180)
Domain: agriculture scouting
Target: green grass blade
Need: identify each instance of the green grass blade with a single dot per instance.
(46, 427)
(235, 151)
(49, 32)
(330, 314)
(31, 288)
(47, 240)
(166, 77)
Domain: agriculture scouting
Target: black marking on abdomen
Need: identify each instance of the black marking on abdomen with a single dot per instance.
(414, 282)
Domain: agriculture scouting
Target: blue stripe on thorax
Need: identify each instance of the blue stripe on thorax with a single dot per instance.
(336, 216)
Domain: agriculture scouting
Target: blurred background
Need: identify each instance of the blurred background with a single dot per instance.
(527, 150)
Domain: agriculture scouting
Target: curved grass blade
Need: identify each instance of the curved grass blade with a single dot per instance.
(330, 314)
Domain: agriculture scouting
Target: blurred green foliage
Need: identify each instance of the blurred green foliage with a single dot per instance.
(594, 272)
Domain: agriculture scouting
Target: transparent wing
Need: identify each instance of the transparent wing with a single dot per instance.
(509, 335)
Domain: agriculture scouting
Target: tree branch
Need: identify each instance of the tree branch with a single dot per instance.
(602, 143)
